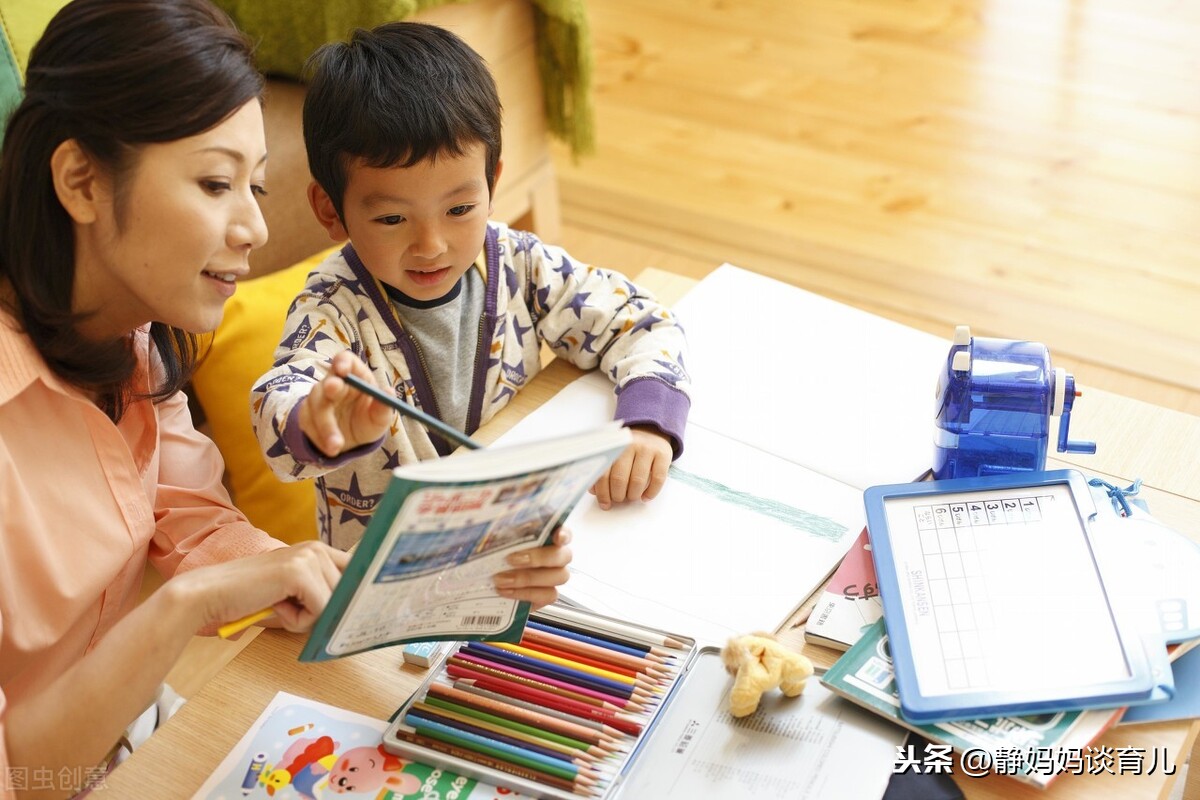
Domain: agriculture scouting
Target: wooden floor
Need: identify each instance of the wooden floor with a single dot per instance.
(1028, 167)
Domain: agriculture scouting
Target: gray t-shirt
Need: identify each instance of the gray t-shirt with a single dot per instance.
(447, 332)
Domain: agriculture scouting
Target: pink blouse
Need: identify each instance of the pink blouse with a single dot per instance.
(83, 504)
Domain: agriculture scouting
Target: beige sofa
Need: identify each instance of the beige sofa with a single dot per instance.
(503, 33)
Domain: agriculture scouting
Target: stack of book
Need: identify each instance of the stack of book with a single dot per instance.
(1032, 743)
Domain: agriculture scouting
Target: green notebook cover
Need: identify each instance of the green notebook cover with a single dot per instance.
(423, 570)
(864, 676)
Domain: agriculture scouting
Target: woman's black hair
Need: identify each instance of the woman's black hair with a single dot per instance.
(112, 75)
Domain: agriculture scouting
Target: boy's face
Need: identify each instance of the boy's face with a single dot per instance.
(415, 228)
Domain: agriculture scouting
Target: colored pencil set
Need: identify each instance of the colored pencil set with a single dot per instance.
(559, 714)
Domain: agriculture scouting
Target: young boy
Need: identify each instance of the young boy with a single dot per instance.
(431, 299)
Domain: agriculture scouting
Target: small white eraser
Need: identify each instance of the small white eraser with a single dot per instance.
(423, 654)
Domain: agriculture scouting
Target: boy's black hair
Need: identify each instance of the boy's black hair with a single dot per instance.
(395, 96)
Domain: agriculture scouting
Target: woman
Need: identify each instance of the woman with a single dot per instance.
(128, 184)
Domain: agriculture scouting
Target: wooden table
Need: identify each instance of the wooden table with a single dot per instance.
(1138, 440)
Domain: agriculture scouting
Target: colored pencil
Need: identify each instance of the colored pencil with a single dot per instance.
(621, 630)
(562, 678)
(237, 626)
(618, 630)
(600, 640)
(579, 658)
(468, 667)
(548, 681)
(565, 744)
(566, 661)
(653, 675)
(501, 733)
(593, 723)
(505, 709)
(549, 669)
(623, 722)
(546, 756)
(489, 747)
(600, 654)
(492, 762)
(563, 708)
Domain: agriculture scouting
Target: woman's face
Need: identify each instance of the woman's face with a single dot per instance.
(170, 242)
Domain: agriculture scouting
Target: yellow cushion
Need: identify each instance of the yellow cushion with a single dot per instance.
(21, 25)
(242, 350)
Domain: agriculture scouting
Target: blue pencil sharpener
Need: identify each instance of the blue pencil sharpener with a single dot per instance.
(995, 399)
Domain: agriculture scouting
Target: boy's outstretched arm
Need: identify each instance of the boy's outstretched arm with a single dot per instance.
(335, 417)
(639, 473)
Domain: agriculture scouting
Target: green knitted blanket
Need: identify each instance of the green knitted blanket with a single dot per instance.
(288, 31)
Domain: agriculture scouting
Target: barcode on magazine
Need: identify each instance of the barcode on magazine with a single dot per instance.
(490, 620)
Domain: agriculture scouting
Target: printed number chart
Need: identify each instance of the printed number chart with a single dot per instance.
(974, 560)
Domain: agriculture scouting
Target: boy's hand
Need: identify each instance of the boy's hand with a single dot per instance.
(336, 417)
(638, 473)
(537, 571)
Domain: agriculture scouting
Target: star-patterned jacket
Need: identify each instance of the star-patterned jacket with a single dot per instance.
(535, 292)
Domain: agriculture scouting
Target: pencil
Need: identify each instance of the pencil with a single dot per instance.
(567, 661)
(433, 423)
(232, 628)
(543, 737)
(647, 672)
(492, 762)
(622, 721)
(505, 709)
(587, 719)
(511, 732)
(474, 741)
(547, 680)
(598, 652)
(618, 629)
(580, 635)
(546, 668)
(470, 667)
(495, 737)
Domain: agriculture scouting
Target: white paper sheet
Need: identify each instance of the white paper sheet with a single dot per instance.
(738, 538)
(735, 541)
(810, 747)
(838, 390)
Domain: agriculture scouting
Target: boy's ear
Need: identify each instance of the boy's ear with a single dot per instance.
(77, 182)
(325, 213)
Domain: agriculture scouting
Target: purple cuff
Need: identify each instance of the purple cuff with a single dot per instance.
(650, 401)
(301, 449)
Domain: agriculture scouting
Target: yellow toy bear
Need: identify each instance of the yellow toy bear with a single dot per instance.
(758, 662)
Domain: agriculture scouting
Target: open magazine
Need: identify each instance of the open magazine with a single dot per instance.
(423, 570)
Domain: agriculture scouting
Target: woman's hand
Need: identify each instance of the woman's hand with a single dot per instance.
(537, 572)
(295, 581)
